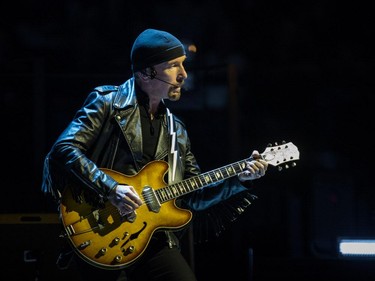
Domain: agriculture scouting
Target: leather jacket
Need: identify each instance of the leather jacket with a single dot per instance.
(106, 133)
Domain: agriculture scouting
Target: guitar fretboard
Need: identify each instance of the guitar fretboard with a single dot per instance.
(191, 184)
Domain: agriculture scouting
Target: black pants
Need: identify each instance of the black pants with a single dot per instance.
(159, 263)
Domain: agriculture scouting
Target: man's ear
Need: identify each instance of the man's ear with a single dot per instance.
(150, 72)
(142, 75)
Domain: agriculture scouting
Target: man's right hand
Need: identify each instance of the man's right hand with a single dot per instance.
(125, 199)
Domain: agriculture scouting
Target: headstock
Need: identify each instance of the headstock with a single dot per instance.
(282, 154)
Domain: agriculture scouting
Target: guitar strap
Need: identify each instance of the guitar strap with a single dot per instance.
(173, 156)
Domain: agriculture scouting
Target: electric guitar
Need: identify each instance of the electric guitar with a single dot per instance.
(109, 240)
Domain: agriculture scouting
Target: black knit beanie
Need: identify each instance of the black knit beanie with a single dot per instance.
(152, 47)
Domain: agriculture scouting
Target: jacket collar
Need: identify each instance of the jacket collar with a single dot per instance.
(125, 95)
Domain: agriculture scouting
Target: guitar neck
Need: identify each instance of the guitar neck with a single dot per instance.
(191, 184)
(274, 155)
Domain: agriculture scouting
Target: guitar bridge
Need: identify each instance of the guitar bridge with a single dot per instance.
(151, 199)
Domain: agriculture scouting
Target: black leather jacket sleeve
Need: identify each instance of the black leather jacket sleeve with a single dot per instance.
(70, 151)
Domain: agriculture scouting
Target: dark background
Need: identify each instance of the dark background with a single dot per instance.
(263, 72)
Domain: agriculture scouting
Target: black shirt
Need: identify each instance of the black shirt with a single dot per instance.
(150, 133)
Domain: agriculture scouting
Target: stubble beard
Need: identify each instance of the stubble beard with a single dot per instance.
(174, 96)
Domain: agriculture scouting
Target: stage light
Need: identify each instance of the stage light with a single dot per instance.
(354, 247)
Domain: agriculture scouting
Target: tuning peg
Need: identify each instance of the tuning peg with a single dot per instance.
(276, 143)
(269, 145)
(286, 166)
(283, 142)
(279, 168)
(294, 164)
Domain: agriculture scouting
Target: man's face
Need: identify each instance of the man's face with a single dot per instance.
(169, 78)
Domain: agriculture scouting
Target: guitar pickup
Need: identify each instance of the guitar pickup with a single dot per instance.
(151, 199)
